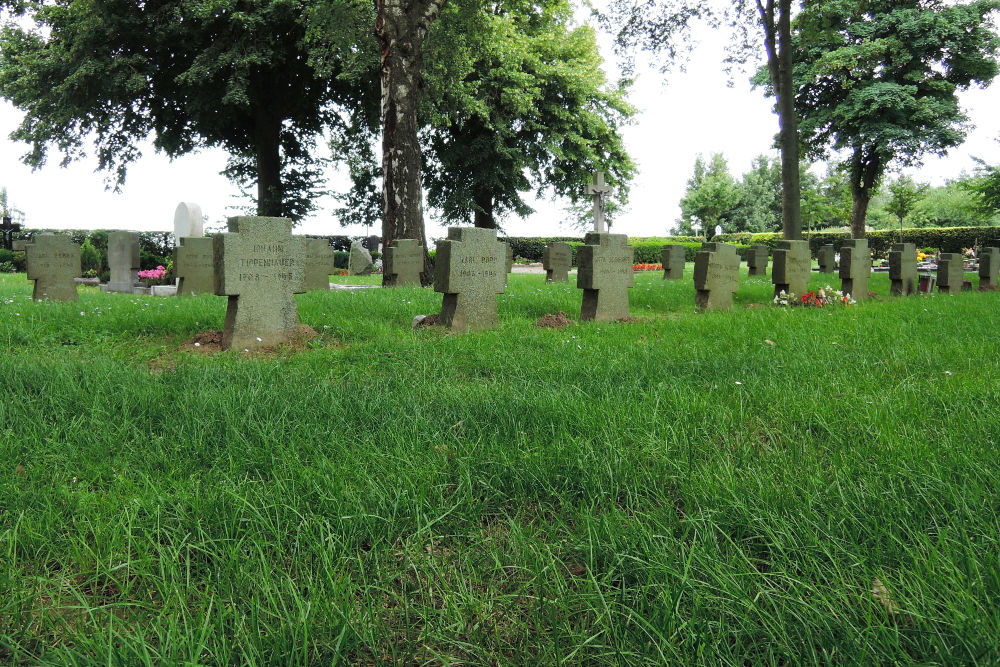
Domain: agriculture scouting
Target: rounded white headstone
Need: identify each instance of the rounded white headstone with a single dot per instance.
(187, 220)
(718, 229)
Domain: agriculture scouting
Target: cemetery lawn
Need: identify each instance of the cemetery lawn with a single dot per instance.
(766, 486)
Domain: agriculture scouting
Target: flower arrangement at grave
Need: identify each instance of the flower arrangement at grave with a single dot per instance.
(814, 298)
(157, 276)
(642, 266)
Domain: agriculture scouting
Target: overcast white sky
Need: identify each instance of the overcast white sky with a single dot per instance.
(680, 116)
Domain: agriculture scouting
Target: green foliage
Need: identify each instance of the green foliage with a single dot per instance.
(711, 197)
(904, 194)
(90, 257)
(984, 188)
(647, 249)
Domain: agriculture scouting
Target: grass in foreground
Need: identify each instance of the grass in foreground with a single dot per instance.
(677, 490)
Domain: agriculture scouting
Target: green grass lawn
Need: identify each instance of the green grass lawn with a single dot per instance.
(761, 486)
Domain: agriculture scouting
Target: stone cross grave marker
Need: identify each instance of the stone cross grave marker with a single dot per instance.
(469, 271)
(903, 269)
(599, 190)
(403, 261)
(8, 228)
(672, 258)
(791, 268)
(360, 262)
(950, 273)
(855, 268)
(260, 266)
(194, 263)
(319, 264)
(757, 257)
(53, 261)
(716, 276)
(825, 256)
(989, 267)
(605, 275)
(123, 259)
(557, 258)
(188, 221)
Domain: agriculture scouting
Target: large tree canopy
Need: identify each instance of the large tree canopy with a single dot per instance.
(228, 73)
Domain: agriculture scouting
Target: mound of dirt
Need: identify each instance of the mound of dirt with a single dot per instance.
(550, 321)
(207, 342)
(630, 320)
(210, 342)
(430, 320)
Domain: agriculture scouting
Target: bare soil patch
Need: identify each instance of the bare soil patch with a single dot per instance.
(550, 321)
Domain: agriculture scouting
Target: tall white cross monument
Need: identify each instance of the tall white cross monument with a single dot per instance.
(598, 190)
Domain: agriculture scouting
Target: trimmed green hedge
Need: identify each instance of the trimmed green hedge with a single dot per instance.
(647, 248)
(945, 239)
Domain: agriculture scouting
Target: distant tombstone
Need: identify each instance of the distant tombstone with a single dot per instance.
(716, 276)
(7, 229)
(372, 243)
(605, 274)
(403, 262)
(509, 257)
(557, 258)
(18, 245)
(672, 257)
(194, 264)
(53, 261)
(469, 271)
(123, 259)
(757, 257)
(855, 268)
(792, 267)
(825, 256)
(188, 221)
(989, 267)
(260, 266)
(360, 262)
(318, 264)
(903, 269)
(950, 273)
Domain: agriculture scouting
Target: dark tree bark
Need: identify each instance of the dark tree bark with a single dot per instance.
(267, 138)
(866, 168)
(401, 27)
(484, 208)
(778, 42)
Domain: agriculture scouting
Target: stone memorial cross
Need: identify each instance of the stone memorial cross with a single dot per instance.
(672, 258)
(557, 258)
(903, 269)
(318, 264)
(403, 262)
(757, 257)
(260, 266)
(791, 268)
(605, 275)
(825, 257)
(716, 276)
(599, 190)
(53, 261)
(469, 271)
(950, 273)
(855, 268)
(989, 268)
(194, 264)
(123, 259)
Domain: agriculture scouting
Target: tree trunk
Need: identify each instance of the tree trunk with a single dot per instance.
(484, 208)
(860, 196)
(267, 136)
(866, 170)
(401, 27)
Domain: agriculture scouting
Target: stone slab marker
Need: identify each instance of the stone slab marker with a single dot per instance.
(360, 262)
(716, 276)
(792, 267)
(123, 259)
(605, 274)
(469, 271)
(509, 257)
(188, 221)
(989, 267)
(903, 269)
(855, 268)
(950, 273)
(260, 266)
(825, 256)
(672, 258)
(53, 261)
(557, 258)
(319, 264)
(403, 260)
(757, 257)
(194, 264)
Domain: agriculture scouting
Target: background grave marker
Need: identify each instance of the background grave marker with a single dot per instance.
(605, 274)
(903, 269)
(716, 276)
(855, 268)
(403, 262)
(792, 267)
(53, 261)
(194, 264)
(672, 257)
(557, 258)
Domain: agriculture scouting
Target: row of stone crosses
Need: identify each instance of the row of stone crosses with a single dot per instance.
(259, 265)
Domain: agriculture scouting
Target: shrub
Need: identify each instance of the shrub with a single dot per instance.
(341, 259)
(90, 257)
(6, 267)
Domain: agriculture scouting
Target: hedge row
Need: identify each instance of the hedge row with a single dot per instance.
(945, 239)
(647, 249)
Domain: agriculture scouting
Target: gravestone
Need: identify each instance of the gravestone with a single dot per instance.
(825, 256)
(509, 257)
(188, 221)
(903, 269)
(123, 259)
(599, 190)
(469, 271)
(194, 264)
(605, 274)
(260, 266)
(319, 264)
(950, 273)
(672, 258)
(989, 267)
(360, 262)
(716, 276)
(7, 228)
(403, 262)
(792, 267)
(557, 258)
(53, 261)
(371, 243)
(855, 268)
(757, 257)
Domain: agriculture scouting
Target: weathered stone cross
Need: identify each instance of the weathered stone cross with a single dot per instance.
(193, 263)
(404, 260)
(8, 228)
(53, 261)
(469, 271)
(605, 275)
(598, 190)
